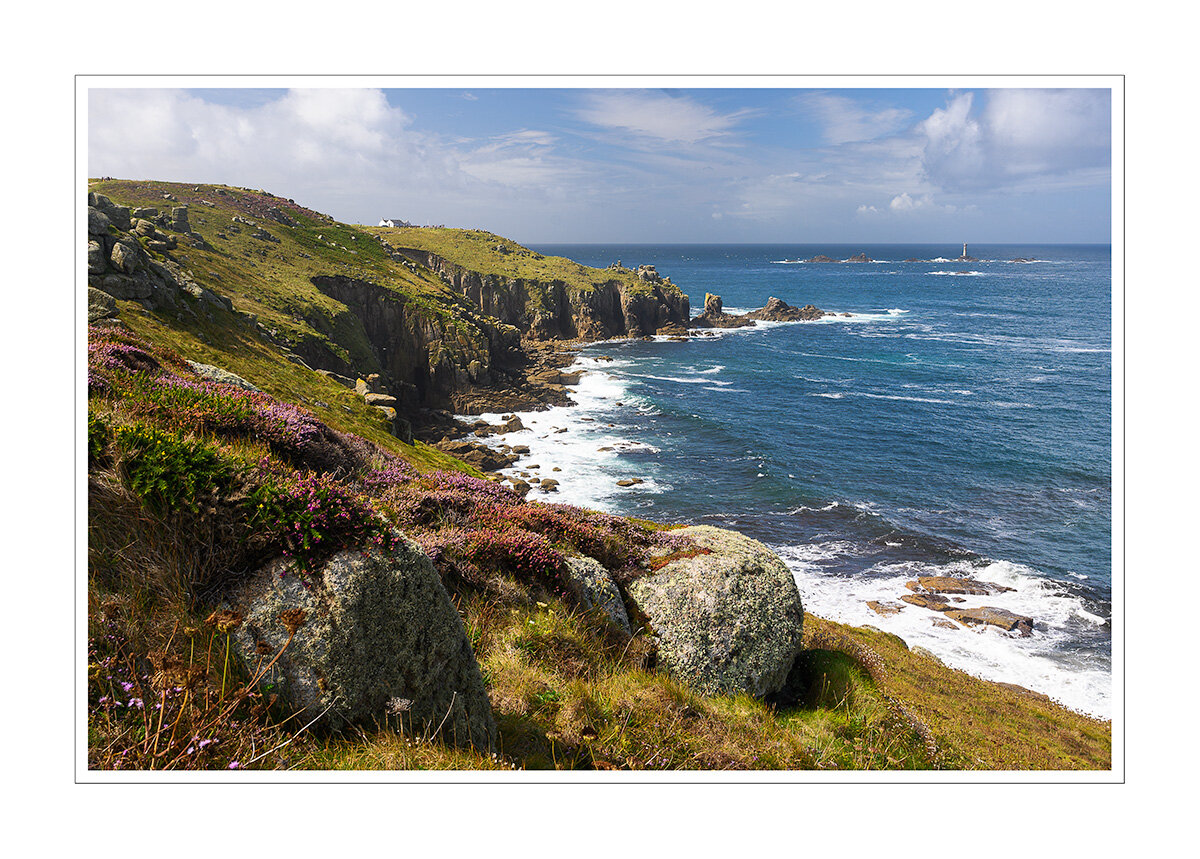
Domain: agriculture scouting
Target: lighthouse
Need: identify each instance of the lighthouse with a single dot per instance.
(964, 256)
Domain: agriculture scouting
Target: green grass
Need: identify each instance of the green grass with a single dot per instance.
(474, 250)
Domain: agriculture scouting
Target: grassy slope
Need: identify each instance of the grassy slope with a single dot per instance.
(564, 694)
(272, 282)
(475, 250)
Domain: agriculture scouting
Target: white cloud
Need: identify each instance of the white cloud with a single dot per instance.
(953, 143)
(1022, 139)
(658, 117)
(846, 120)
(343, 151)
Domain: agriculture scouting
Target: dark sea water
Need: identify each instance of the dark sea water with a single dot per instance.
(958, 422)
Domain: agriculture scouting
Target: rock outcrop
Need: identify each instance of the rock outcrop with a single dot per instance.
(553, 310)
(714, 315)
(777, 310)
(954, 585)
(371, 637)
(726, 621)
(120, 262)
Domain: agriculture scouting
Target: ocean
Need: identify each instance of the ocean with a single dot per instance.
(958, 422)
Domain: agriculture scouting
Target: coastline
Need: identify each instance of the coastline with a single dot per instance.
(594, 444)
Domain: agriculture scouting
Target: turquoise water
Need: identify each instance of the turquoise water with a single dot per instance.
(959, 421)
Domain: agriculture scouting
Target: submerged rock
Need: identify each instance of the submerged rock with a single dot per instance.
(376, 639)
(727, 621)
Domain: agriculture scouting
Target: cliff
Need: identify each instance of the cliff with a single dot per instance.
(546, 298)
(441, 317)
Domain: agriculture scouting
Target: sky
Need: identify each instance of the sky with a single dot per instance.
(570, 164)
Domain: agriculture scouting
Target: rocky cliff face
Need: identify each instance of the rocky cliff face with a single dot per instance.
(430, 358)
(556, 311)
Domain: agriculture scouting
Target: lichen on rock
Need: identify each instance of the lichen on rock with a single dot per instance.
(379, 627)
(727, 621)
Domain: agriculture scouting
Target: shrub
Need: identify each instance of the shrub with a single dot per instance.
(170, 472)
(99, 435)
(311, 517)
(522, 554)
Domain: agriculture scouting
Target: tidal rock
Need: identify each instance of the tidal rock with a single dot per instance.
(860, 257)
(777, 310)
(955, 585)
(714, 315)
(936, 602)
(1002, 618)
(374, 638)
(822, 258)
(727, 621)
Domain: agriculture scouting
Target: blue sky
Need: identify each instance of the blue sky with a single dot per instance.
(567, 164)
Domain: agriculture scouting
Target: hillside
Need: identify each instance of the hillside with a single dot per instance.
(281, 575)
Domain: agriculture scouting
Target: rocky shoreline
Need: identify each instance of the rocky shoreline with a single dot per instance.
(542, 383)
(946, 595)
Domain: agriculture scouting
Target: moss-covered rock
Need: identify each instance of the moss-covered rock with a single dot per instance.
(727, 621)
(378, 641)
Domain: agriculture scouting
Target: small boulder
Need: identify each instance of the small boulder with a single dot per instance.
(590, 584)
(101, 305)
(216, 374)
(374, 639)
(380, 400)
(126, 256)
(726, 621)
